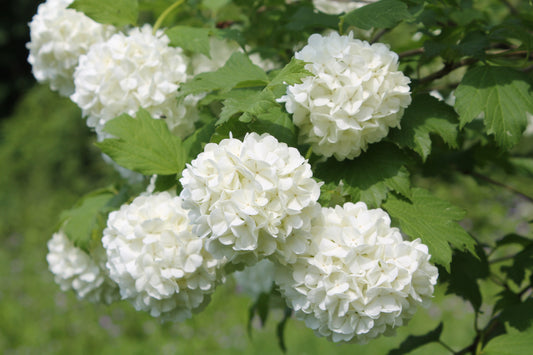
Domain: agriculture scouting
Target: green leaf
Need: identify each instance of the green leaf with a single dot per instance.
(381, 14)
(277, 123)
(144, 144)
(251, 102)
(425, 116)
(306, 17)
(332, 194)
(238, 72)
(523, 165)
(514, 238)
(291, 74)
(260, 109)
(260, 307)
(84, 221)
(215, 5)
(117, 12)
(191, 39)
(415, 341)
(194, 144)
(519, 315)
(432, 220)
(466, 269)
(371, 176)
(521, 262)
(502, 95)
(280, 329)
(165, 182)
(516, 343)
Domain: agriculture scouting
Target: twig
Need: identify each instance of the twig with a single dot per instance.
(411, 52)
(379, 35)
(448, 68)
(446, 346)
(497, 183)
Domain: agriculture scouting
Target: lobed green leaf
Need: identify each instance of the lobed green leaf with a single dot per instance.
(502, 96)
(466, 269)
(415, 341)
(432, 220)
(371, 176)
(380, 14)
(144, 144)
(291, 74)
(192, 39)
(510, 344)
(425, 116)
(83, 222)
(306, 17)
(238, 72)
(117, 12)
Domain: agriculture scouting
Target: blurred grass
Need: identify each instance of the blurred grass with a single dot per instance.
(47, 162)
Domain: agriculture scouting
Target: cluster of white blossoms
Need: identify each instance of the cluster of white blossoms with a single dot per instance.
(159, 265)
(128, 72)
(354, 96)
(337, 7)
(58, 36)
(248, 197)
(358, 278)
(253, 202)
(74, 269)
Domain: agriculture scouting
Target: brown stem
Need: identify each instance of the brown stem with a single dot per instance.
(411, 52)
(497, 183)
(448, 68)
(379, 35)
(528, 69)
(446, 346)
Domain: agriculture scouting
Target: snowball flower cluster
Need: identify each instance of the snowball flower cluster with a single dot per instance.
(156, 260)
(58, 36)
(247, 197)
(128, 72)
(74, 269)
(358, 279)
(355, 95)
(337, 7)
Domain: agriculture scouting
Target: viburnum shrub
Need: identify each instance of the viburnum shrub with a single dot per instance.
(289, 144)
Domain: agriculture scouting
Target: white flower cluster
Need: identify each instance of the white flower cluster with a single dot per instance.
(74, 269)
(337, 7)
(133, 71)
(358, 279)
(355, 95)
(159, 265)
(58, 36)
(247, 197)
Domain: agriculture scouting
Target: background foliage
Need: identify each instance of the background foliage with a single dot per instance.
(446, 165)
